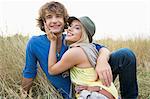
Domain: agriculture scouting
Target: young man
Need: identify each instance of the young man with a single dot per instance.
(122, 62)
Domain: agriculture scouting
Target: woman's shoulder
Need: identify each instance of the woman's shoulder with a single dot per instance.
(73, 55)
(75, 50)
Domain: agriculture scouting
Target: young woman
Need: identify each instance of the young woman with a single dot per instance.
(80, 58)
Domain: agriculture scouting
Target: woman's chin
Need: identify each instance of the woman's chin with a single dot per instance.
(69, 42)
(67, 38)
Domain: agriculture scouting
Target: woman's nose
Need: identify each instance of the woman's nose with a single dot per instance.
(69, 28)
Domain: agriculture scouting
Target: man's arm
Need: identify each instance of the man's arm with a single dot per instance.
(30, 69)
(103, 68)
(26, 84)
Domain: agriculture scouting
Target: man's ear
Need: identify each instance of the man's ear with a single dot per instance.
(66, 26)
(44, 21)
(66, 22)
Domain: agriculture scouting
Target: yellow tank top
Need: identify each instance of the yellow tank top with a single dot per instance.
(88, 77)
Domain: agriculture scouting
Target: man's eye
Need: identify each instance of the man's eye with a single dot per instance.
(48, 17)
(58, 16)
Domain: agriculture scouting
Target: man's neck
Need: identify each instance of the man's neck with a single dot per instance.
(59, 43)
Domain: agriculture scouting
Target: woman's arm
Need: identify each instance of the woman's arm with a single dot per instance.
(68, 60)
(52, 54)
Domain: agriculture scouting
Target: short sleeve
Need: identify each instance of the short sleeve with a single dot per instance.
(98, 46)
(30, 68)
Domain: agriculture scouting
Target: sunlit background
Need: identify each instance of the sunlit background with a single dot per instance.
(113, 18)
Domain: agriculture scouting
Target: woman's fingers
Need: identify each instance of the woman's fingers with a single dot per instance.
(50, 35)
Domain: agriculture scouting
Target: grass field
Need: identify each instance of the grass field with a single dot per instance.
(12, 59)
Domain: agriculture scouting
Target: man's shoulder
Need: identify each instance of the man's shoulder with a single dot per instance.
(98, 46)
(36, 42)
(38, 37)
(34, 39)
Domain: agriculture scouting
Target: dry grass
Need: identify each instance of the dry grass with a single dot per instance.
(141, 47)
(12, 59)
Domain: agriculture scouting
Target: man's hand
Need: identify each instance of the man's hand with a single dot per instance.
(50, 35)
(23, 93)
(104, 73)
(103, 68)
(26, 84)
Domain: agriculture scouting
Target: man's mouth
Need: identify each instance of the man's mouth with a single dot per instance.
(55, 26)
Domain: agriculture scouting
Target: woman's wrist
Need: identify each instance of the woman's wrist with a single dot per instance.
(53, 41)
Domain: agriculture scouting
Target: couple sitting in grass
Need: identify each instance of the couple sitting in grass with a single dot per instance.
(81, 59)
(92, 67)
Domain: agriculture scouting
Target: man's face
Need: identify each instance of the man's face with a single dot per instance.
(55, 22)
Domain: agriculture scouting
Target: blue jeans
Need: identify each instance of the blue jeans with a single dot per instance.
(123, 63)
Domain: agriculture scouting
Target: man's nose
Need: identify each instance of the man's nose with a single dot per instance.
(54, 19)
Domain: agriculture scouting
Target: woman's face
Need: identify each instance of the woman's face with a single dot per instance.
(74, 31)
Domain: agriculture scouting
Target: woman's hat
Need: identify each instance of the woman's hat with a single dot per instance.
(87, 23)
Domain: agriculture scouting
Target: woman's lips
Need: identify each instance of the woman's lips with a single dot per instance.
(69, 34)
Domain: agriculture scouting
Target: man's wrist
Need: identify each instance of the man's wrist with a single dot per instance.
(103, 59)
(104, 54)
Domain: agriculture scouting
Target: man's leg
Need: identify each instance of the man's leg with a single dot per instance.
(123, 62)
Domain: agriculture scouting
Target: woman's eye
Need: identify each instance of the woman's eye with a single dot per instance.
(77, 28)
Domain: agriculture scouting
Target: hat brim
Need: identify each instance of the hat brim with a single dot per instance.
(72, 18)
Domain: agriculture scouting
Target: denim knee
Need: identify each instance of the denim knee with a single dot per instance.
(128, 54)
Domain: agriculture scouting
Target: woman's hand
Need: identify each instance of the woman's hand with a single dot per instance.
(50, 35)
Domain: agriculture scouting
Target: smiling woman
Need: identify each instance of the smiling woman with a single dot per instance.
(114, 19)
(20, 16)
